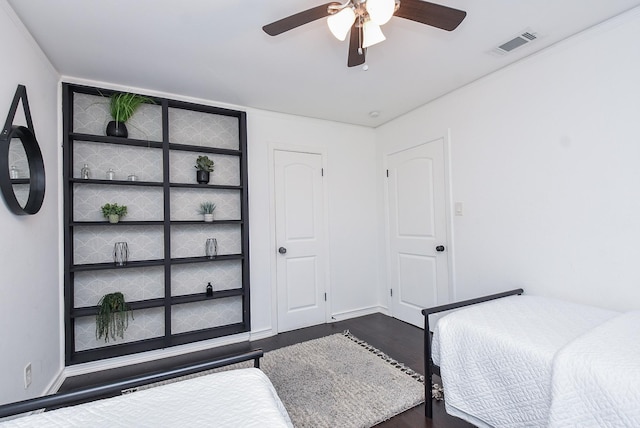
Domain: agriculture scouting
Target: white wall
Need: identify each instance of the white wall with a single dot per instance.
(545, 157)
(30, 290)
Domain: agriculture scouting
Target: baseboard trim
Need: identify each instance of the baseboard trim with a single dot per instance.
(262, 334)
(56, 383)
(354, 313)
(143, 357)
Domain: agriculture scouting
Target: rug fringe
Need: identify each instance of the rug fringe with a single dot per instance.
(436, 389)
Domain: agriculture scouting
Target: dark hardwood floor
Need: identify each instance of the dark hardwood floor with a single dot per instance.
(397, 339)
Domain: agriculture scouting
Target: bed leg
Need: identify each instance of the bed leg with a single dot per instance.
(428, 402)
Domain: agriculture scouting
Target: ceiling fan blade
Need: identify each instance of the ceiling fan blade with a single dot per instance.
(356, 54)
(301, 18)
(432, 14)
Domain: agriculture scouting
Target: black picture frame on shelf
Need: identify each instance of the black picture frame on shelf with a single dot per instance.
(27, 137)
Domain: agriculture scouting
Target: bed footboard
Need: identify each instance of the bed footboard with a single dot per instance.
(429, 367)
(73, 397)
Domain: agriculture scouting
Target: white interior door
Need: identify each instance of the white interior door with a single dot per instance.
(418, 263)
(300, 238)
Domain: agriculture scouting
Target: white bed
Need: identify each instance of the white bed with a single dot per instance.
(496, 358)
(234, 398)
(596, 378)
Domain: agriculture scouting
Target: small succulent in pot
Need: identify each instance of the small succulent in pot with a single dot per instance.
(113, 212)
(204, 165)
(206, 209)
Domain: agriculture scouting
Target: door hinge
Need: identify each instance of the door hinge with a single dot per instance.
(391, 292)
(322, 172)
(325, 297)
(387, 173)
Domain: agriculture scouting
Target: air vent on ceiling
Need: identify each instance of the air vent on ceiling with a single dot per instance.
(520, 40)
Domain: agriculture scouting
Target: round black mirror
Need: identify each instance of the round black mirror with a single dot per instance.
(22, 178)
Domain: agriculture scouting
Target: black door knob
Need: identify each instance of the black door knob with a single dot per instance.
(282, 250)
(440, 248)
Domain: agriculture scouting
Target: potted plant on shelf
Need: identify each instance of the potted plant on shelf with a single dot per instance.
(122, 107)
(113, 212)
(206, 209)
(113, 316)
(204, 165)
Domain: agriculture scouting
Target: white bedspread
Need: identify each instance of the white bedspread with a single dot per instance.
(496, 357)
(596, 378)
(237, 398)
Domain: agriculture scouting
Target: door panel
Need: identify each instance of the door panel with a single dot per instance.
(419, 275)
(302, 272)
(300, 265)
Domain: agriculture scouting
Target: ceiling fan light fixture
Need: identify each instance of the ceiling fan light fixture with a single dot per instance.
(340, 23)
(380, 11)
(371, 34)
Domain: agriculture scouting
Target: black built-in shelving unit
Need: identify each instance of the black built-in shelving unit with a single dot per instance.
(72, 313)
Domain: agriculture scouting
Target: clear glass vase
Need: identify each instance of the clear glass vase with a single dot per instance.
(211, 248)
(120, 253)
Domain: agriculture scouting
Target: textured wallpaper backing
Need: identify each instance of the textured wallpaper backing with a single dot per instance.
(94, 244)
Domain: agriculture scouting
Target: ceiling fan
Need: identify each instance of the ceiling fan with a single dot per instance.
(363, 18)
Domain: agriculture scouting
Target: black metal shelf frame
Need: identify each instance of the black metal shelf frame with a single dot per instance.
(168, 339)
(148, 263)
(159, 302)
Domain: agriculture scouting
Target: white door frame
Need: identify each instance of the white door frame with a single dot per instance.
(446, 137)
(273, 244)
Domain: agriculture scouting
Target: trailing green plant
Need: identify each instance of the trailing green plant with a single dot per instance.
(124, 104)
(203, 163)
(113, 316)
(207, 207)
(114, 209)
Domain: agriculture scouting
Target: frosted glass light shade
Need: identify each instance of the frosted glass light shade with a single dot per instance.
(372, 34)
(340, 23)
(380, 11)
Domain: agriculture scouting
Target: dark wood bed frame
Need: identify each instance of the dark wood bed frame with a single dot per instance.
(115, 388)
(429, 368)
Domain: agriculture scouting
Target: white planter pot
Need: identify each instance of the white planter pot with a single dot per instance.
(208, 218)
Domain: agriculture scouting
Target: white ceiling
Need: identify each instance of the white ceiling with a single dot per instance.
(216, 50)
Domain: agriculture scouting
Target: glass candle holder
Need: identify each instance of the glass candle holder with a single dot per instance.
(211, 248)
(120, 253)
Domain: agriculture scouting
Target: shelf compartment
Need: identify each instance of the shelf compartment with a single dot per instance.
(147, 324)
(91, 114)
(140, 284)
(94, 245)
(189, 241)
(201, 315)
(224, 274)
(191, 127)
(124, 160)
(185, 203)
(143, 203)
(226, 169)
